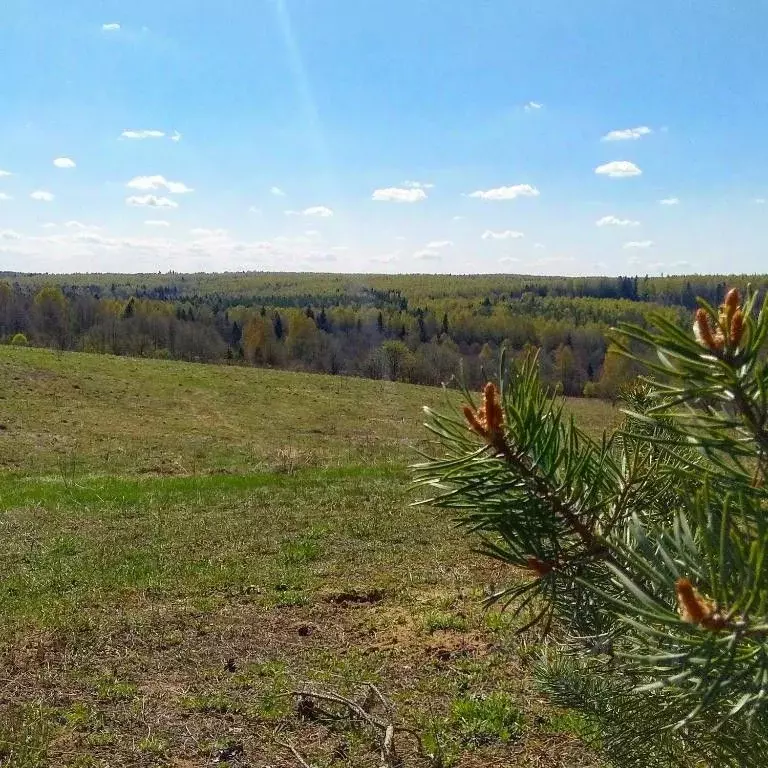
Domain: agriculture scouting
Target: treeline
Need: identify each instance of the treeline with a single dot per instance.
(420, 329)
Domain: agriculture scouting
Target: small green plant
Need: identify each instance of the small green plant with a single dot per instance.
(153, 745)
(217, 703)
(484, 720)
(302, 550)
(19, 340)
(441, 620)
(111, 689)
(79, 716)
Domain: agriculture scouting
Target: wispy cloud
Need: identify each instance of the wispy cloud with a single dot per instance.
(4, 196)
(386, 258)
(506, 234)
(9, 234)
(64, 162)
(399, 195)
(639, 244)
(508, 260)
(417, 184)
(113, 27)
(277, 192)
(146, 134)
(670, 201)
(627, 134)
(158, 182)
(5, 173)
(615, 221)
(151, 201)
(435, 245)
(506, 193)
(79, 225)
(760, 200)
(320, 211)
(426, 255)
(42, 196)
(532, 106)
(176, 136)
(157, 223)
(618, 169)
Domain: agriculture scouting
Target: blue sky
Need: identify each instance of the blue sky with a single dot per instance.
(384, 136)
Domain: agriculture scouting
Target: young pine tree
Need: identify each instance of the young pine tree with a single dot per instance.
(642, 557)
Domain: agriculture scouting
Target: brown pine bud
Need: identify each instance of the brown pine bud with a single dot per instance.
(494, 416)
(737, 328)
(703, 332)
(539, 567)
(475, 423)
(695, 609)
(732, 301)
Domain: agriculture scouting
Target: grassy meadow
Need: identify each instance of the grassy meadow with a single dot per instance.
(185, 545)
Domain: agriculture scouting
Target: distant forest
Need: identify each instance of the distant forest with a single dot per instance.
(416, 328)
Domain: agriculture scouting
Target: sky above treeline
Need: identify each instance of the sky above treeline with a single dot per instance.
(466, 136)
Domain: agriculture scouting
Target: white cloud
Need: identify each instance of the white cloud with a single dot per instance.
(64, 162)
(317, 210)
(386, 258)
(614, 221)
(508, 260)
(42, 196)
(458, 218)
(340, 248)
(78, 225)
(618, 169)
(150, 201)
(277, 192)
(539, 245)
(670, 201)
(532, 106)
(5, 196)
(157, 223)
(255, 210)
(627, 134)
(176, 136)
(146, 183)
(680, 264)
(50, 225)
(438, 244)
(506, 193)
(760, 200)
(5, 173)
(9, 234)
(417, 185)
(113, 27)
(142, 134)
(639, 244)
(426, 255)
(399, 195)
(506, 234)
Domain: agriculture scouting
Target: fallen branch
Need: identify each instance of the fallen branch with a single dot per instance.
(287, 745)
(384, 729)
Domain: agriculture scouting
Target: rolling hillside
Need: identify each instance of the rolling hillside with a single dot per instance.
(183, 545)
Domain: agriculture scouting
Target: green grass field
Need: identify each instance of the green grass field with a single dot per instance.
(184, 545)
